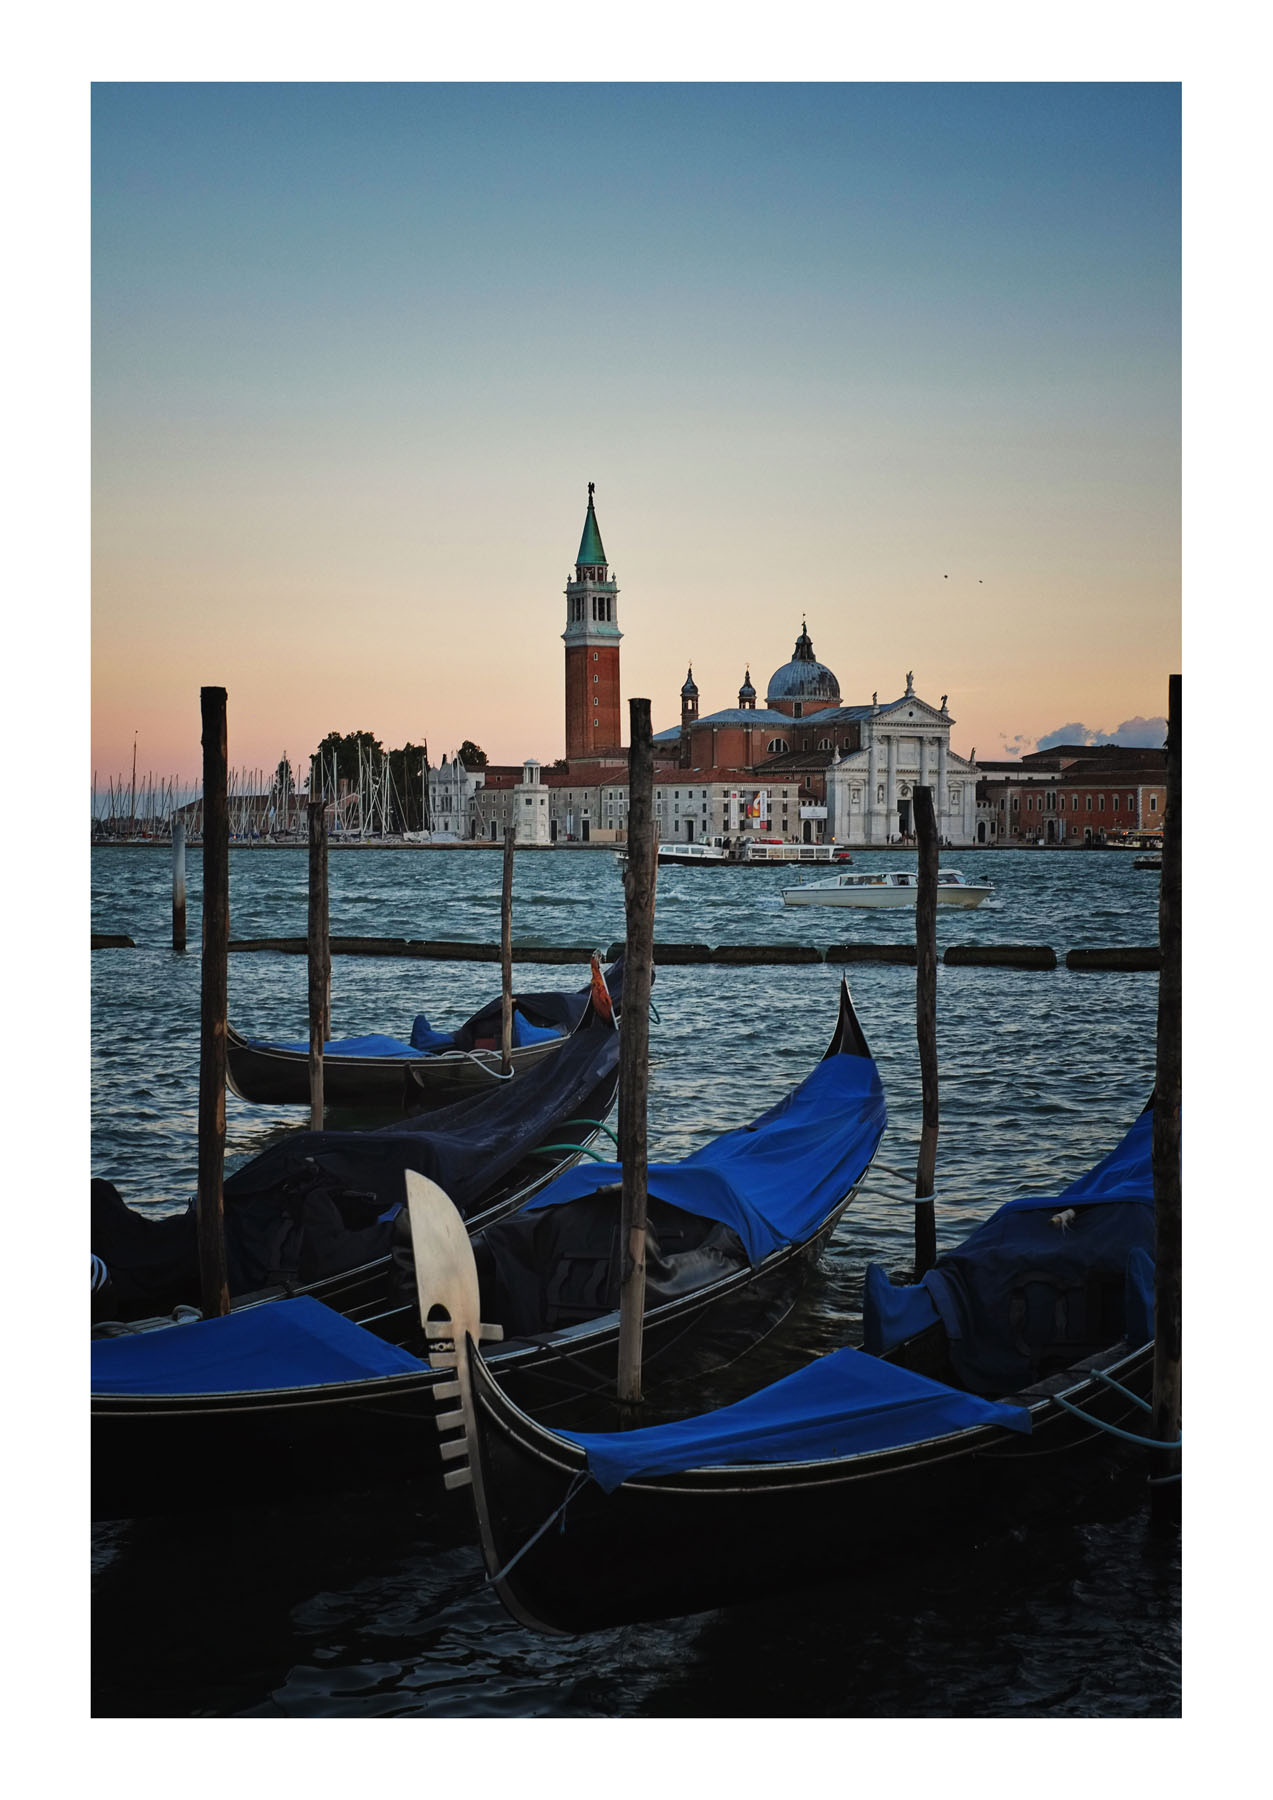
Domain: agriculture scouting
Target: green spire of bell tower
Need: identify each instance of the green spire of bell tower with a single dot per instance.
(591, 550)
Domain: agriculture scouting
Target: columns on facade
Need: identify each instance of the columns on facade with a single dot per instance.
(944, 821)
(890, 801)
(870, 812)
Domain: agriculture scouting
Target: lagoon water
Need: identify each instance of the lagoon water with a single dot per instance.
(377, 1605)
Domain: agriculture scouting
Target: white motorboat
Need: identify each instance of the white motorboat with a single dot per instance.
(880, 887)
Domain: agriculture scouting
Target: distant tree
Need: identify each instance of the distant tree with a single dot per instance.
(406, 768)
(561, 765)
(284, 780)
(345, 747)
(471, 755)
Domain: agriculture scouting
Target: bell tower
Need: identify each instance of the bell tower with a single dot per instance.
(592, 648)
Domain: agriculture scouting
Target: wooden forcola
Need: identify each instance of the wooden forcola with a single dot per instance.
(639, 876)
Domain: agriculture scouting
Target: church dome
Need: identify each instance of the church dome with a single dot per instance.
(746, 691)
(804, 677)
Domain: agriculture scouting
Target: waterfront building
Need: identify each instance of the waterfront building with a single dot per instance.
(1074, 794)
(814, 769)
(452, 792)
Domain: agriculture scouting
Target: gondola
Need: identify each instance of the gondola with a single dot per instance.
(319, 1212)
(983, 1389)
(295, 1395)
(432, 1069)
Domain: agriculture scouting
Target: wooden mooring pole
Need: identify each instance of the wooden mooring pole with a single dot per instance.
(1166, 1142)
(506, 955)
(178, 884)
(213, 1000)
(926, 1028)
(318, 952)
(639, 876)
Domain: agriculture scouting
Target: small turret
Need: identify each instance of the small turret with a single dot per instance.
(747, 693)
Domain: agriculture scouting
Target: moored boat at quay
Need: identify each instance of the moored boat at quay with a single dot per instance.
(745, 853)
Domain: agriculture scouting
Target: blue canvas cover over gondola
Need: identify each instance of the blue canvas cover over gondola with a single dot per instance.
(841, 1405)
(771, 1181)
(318, 1202)
(292, 1344)
(1041, 1280)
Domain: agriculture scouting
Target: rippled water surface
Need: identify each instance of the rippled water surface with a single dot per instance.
(378, 1606)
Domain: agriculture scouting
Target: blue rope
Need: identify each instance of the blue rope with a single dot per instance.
(1125, 1392)
(1102, 1425)
(559, 1513)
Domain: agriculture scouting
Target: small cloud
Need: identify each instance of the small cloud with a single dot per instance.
(1133, 734)
(1140, 734)
(1017, 746)
(1069, 734)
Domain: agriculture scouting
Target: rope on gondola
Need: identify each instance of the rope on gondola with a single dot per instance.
(597, 1125)
(558, 1513)
(1124, 1391)
(1131, 1437)
(579, 1149)
(495, 1074)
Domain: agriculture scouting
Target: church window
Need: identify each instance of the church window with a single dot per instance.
(1100, 803)
(825, 744)
(594, 656)
(777, 746)
(595, 701)
(879, 795)
(797, 711)
(1153, 803)
(1115, 802)
(1089, 802)
(1131, 802)
(596, 678)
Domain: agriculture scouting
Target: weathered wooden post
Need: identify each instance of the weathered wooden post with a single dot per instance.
(178, 884)
(318, 952)
(506, 954)
(640, 871)
(213, 999)
(926, 1028)
(1166, 1142)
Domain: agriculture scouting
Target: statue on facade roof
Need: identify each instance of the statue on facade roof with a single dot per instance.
(910, 681)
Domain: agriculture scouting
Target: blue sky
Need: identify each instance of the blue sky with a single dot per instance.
(903, 356)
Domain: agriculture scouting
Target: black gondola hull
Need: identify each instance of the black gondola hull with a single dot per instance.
(670, 1546)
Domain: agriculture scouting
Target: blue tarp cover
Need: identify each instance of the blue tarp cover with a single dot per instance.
(774, 1181)
(373, 1044)
(431, 1043)
(285, 1344)
(841, 1405)
(1020, 1284)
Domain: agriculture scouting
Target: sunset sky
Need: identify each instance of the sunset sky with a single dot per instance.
(900, 359)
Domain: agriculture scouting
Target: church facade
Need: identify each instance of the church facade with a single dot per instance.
(842, 774)
(801, 765)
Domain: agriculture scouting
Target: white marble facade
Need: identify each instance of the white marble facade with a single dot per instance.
(904, 745)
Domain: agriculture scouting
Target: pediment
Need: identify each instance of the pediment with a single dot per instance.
(911, 710)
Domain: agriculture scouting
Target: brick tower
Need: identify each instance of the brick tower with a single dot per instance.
(592, 649)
